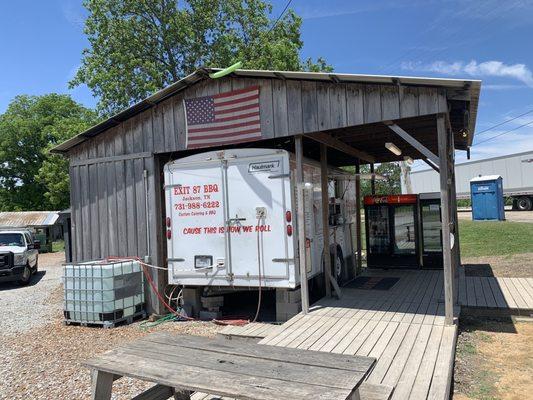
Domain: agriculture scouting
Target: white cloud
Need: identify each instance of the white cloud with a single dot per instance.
(476, 69)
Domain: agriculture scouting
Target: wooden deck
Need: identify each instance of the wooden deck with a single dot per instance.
(254, 330)
(512, 296)
(403, 328)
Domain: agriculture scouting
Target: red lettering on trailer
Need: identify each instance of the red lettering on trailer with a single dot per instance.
(211, 188)
(211, 230)
(181, 190)
(191, 231)
(263, 228)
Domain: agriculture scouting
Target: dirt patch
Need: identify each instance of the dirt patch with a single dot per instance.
(511, 265)
(55, 260)
(493, 360)
(515, 216)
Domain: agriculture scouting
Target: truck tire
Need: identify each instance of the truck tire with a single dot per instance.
(524, 203)
(36, 267)
(26, 276)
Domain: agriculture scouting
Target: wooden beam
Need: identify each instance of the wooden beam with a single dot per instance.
(325, 215)
(300, 199)
(358, 250)
(340, 146)
(413, 142)
(372, 180)
(436, 168)
(445, 218)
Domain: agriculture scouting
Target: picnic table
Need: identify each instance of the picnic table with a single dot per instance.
(180, 365)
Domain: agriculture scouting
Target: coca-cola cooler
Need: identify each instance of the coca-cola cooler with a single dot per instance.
(403, 231)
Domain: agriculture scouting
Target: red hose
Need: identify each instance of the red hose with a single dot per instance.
(223, 321)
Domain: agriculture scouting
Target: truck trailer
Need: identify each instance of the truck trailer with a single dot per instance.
(515, 169)
(232, 221)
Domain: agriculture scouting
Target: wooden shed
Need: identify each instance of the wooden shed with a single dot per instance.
(115, 166)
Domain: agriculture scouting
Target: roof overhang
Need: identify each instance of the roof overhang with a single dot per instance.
(459, 89)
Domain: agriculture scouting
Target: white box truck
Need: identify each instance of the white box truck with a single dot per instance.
(231, 220)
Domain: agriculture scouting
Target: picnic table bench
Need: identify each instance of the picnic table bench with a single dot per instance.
(181, 365)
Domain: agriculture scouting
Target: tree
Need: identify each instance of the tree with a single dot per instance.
(392, 185)
(140, 46)
(31, 178)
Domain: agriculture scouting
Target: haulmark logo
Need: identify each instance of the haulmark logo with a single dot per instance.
(264, 166)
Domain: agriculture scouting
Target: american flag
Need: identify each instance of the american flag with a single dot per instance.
(225, 118)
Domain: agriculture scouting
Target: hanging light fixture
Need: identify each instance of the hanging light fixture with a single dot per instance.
(393, 148)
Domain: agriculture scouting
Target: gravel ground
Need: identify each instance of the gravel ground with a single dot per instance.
(40, 358)
(18, 300)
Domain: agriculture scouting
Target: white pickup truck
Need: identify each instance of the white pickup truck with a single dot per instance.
(18, 256)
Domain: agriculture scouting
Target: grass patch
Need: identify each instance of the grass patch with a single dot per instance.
(58, 246)
(494, 238)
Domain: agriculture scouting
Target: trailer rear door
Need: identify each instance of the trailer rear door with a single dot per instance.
(258, 200)
(194, 206)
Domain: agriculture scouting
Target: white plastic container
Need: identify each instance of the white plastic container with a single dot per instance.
(103, 292)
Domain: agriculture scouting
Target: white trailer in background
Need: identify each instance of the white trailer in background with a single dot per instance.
(515, 169)
(232, 221)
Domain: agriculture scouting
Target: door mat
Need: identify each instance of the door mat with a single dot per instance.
(372, 283)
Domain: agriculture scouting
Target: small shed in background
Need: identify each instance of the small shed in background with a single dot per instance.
(487, 198)
(46, 225)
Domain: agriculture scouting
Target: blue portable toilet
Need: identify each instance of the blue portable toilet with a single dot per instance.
(486, 194)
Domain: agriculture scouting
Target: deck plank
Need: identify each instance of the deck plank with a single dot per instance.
(517, 296)
(383, 363)
(408, 375)
(487, 291)
(497, 293)
(441, 382)
(478, 290)
(506, 294)
(470, 292)
(399, 361)
(422, 381)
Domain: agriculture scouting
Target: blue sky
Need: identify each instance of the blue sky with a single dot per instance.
(41, 44)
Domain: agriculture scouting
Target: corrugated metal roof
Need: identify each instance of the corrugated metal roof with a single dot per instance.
(21, 219)
(473, 86)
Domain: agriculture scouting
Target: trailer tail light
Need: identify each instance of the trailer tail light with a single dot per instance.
(168, 221)
(288, 216)
(169, 234)
(289, 230)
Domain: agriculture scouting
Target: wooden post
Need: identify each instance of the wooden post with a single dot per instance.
(325, 215)
(300, 200)
(358, 249)
(445, 217)
(372, 180)
(101, 385)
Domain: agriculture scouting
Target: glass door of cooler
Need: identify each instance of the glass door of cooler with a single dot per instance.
(379, 240)
(404, 230)
(404, 245)
(378, 234)
(431, 227)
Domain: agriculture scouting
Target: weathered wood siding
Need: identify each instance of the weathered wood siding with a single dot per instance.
(287, 107)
